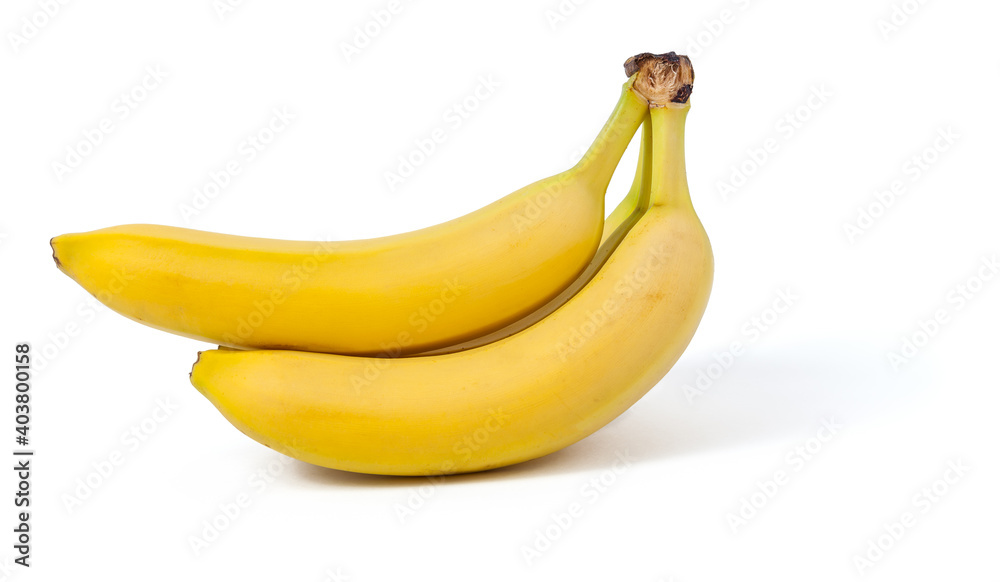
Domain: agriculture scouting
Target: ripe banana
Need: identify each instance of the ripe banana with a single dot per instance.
(388, 296)
(515, 399)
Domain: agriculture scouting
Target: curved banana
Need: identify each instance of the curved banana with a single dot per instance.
(388, 296)
(510, 401)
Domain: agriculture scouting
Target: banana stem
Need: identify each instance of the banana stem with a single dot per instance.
(669, 185)
(662, 80)
(606, 152)
(638, 195)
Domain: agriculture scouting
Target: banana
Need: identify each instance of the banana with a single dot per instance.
(513, 400)
(389, 296)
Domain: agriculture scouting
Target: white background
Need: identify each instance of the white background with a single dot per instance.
(890, 89)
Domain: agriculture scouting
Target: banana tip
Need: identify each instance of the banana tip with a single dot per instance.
(191, 373)
(55, 254)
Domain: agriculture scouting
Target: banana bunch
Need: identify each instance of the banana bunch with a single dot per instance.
(548, 321)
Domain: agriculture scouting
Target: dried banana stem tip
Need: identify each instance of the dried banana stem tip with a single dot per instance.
(663, 79)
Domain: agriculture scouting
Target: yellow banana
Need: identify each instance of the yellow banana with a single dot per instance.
(393, 296)
(512, 400)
